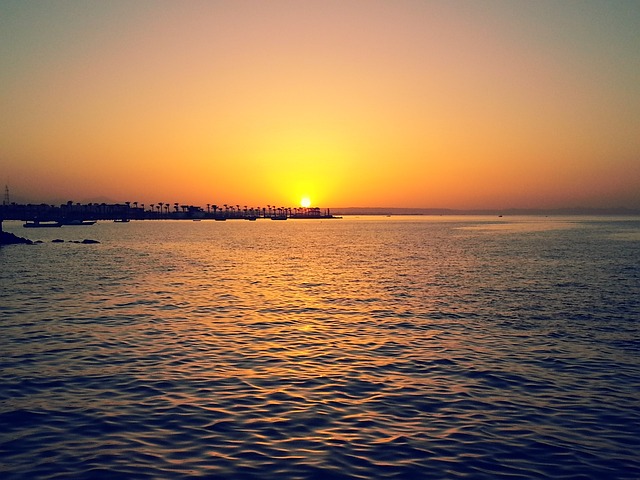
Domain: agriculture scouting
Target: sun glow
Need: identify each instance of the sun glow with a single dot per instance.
(305, 202)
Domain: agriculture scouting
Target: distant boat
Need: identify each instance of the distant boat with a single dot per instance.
(121, 220)
(37, 224)
(79, 222)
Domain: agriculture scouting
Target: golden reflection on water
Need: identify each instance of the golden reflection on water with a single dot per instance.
(522, 226)
(371, 347)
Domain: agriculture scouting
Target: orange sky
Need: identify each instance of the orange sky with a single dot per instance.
(458, 104)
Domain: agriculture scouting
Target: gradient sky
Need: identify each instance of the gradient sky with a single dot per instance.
(458, 104)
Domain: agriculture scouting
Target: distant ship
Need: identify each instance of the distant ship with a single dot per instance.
(38, 224)
(79, 222)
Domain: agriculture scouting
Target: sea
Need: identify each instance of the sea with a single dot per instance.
(372, 347)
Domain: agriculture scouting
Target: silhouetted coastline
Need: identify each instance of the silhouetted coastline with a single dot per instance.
(70, 213)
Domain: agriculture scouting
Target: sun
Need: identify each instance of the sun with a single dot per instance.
(305, 202)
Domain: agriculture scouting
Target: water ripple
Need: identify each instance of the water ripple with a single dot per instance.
(467, 353)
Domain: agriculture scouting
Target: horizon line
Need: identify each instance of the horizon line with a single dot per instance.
(388, 210)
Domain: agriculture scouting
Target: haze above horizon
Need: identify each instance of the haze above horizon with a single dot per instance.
(456, 104)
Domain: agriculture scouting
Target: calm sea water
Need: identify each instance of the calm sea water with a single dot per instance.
(361, 348)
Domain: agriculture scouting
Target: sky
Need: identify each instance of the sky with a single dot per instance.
(427, 104)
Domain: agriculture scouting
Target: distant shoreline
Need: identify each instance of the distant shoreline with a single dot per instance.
(511, 212)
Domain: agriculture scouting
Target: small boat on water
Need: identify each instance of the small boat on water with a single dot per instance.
(79, 222)
(37, 224)
(121, 220)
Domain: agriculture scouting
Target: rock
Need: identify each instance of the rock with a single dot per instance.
(57, 240)
(86, 241)
(7, 238)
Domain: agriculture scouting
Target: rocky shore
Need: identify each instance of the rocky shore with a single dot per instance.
(7, 238)
(11, 239)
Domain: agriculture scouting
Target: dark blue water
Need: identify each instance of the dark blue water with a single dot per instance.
(391, 348)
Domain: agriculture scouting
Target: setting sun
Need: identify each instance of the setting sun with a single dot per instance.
(305, 202)
(404, 104)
